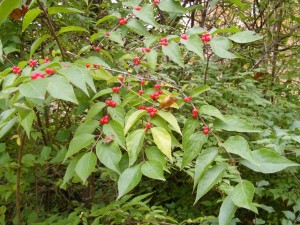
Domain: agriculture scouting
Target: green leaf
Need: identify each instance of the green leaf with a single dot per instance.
(137, 27)
(117, 114)
(29, 17)
(72, 29)
(211, 111)
(172, 50)
(70, 171)
(239, 146)
(203, 162)
(94, 110)
(227, 211)
(133, 118)
(171, 6)
(198, 90)
(88, 127)
(163, 140)
(1, 56)
(134, 144)
(34, 88)
(129, 179)
(110, 155)
(209, 179)
(26, 122)
(152, 58)
(79, 142)
(168, 117)
(6, 7)
(146, 14)
(116, 37)
(189, 128)
(115, 131)
(220, 45)
(86, 165)
(62, 9)
(95, 60)
(192, 147)
(153, 153)
(234, 123)
(105, 18)
(77, 76)
(194, 44)
(268, 161)
(242, 194)
(37, 43)
(153, 169)
(60, 88)
(6, 127)
(245, 37)
(195, 30)
(233, 29)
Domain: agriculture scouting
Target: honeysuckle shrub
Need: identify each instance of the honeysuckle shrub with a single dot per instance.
(104, 104)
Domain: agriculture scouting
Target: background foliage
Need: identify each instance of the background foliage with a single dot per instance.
(61, 162)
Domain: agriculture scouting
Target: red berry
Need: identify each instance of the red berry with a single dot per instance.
(164, 41)
(160, 92)
(148, 125)
(206, 37)
(122, 21)
(152, 114)
(195, 116)
(157, 86)
(120, 18)
(96, 66)
(142, 82)
(147, 49)
(140, 92)
(205, 130)
(184, 37)
(107, 34)
(152, 96)
(136, 60)
(104, 120)
(186, 99)
(138, 8)
(16, 70)
(87, 65)
(47, 59)
(155, 2)
(113, 104)
(116, 89)
(49, 71)
(190, 98)
(34, 76)
(121, 78)
(142, 107)
(97, 48)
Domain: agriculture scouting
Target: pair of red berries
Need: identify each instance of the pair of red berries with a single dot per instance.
(195, 113)
(187, 99)
(152, 111)
(136, 61)
(155, 95)
(111, 103)
(157, 86)
(116, 89)
(122, 21)
(145, 50)
(104, 120)
(206, 37)
(32, 63)
(148, 126)
(205, 130)
(184, 37)
(164, 41)
(37, 75)
(16, 70)
(50, 71)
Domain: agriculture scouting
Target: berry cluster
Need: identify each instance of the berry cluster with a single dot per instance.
(32, 63)
(50, 71)
(116, 89)
(148, 126)
(136, 61)
(195, 113)
(184, 37)
(205, 130)
(104, 120)
(164, 41)
(151, 110)
(16, 70)
(145, 50)
(187, 99)
(122, 21)
(37, 76)
(157, 86)
(111, 103)
(206, 37)
(155, 95)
